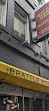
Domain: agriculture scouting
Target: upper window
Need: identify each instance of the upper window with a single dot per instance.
(21, 23)
(3, 9)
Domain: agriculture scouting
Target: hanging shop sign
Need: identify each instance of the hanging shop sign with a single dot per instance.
(18, 77)
(42, 22)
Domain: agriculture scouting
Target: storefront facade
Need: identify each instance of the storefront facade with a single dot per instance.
(26, 100)
(24, 91)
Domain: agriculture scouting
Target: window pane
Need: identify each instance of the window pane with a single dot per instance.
(37, 105)
(3, 9)
(26, 104)
(46, 105)
(16, 24)
(22, 29)
(0, 12)
(20, 19)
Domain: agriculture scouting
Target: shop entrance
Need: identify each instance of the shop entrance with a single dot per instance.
(30, 104)
(11, 103)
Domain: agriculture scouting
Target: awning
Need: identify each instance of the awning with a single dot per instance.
(18, 77)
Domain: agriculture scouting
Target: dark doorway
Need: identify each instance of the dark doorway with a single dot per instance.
(37, 104)
(46, 105)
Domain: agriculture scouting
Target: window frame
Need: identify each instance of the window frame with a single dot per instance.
(27, 33)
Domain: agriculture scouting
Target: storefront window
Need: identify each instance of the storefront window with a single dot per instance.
(3, 10)
(37, 105)
(26, 104)
(46, 105)
(3, 103)
(7, 104)
(20, 103)
(22, 99)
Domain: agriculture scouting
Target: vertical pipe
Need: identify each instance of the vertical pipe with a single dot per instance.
(23, 98)
(46, 47)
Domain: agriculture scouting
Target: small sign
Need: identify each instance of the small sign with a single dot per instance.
(42, 22)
